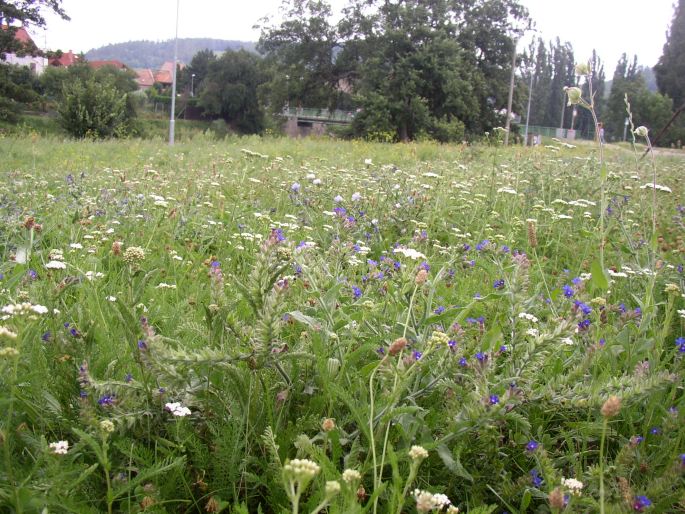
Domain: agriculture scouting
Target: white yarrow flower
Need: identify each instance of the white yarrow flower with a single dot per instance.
(56, 265)
(60, 447)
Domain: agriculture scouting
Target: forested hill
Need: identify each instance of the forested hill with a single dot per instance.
(151, 54)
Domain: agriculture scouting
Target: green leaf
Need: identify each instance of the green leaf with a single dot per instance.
(599, 279)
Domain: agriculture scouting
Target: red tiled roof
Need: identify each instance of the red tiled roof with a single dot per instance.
(163, 77)
(101, 64)
(67, 59)
(22, 35)
(145, 78)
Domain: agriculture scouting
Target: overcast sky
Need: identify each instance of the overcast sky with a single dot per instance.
(611, 26)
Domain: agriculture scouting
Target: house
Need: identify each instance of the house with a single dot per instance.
(163, 76)
(65, 60)
(36, 63)
(145, 78)
(113, 63)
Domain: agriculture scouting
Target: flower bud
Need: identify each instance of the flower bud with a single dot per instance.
(641, 131)
(328, 424)
(574, 95)
(397, 346)
(582, 68)
(333, 366)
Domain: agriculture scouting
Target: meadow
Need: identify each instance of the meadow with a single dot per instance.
(272, 325)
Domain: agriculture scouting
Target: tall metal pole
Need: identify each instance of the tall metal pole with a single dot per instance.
(530, 95)
(172, 115)
(511, 97)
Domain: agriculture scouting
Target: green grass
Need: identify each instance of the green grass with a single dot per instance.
(273, 311)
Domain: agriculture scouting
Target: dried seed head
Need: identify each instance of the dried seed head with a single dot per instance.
(328, 424)
(397, 346)
(611, 407)
(532, 234)
(421, 277)
(556, 499)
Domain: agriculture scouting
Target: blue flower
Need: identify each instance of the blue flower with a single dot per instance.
(47, 336)
(481, 356)
(576, 280)
(425, 265)
(585, 308)
(128, 378)
(106, 400)
(494, 399)
(568, 291)
(535, 477)
(295, 188)
(655, 431)
(439, 310)
(463, 362)
(356, 292)
(480, 246)
(417, 354)
(503, 348)
(532, 445)
(498, 284)
(452, 343)
(641, 503)
(142, 345)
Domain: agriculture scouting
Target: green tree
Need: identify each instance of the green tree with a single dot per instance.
(93, 103)
(230, 90)
(670, 70)
(429, 67)
(27, 13)
(18, 87)
(302, 51)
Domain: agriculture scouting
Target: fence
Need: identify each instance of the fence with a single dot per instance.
(558, 132)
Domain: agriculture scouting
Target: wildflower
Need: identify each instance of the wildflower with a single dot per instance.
(556, 499)
(134, 254)
(498, 284)
(641, 131)
(6, 332)
(438, 338)
(8, 352)
(397, 346)
(573, 485)
(532, 445)
(421, 277)
(417, 354)
(106, 426)
(295, 188)
(328, 424)
(574, 95)
(494, 399)
(568, 291)
(356, 196)
(640, 503)
(582, 68)
(535, 477)
(611, 407)
(56, 265)
(332, 488)
(177, 409)
(301, 469)
(356, 292)
(427, 501)
(418, 453)
(532, 234)
(351, 475)
(463, 362)
(60, 447)
(338, 199)
(106, 400)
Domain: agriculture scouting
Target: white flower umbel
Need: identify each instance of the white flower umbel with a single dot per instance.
(177, 409)
(60, 447)
(574, 486)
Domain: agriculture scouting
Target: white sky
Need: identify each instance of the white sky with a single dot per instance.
(610, 26)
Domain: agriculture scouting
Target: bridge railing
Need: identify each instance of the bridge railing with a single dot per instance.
(319, 114)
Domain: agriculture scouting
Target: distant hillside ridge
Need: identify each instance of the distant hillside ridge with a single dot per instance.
(151, 54)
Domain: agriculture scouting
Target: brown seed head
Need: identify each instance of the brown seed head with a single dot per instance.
(397, 346)
(611, 407)
(212, 505)
(532, 234)
(421, 277)
(328, 424)
(556, 499)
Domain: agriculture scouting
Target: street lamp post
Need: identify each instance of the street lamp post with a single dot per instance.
(172, 115)
(625, 128)
(192, 85)
(507, 124)
(530, 95)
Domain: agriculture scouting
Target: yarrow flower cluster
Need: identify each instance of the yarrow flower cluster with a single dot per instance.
(574, 486)
(134, 254)
(351, 475)
(60, 447)
(418, 453)
(22, 309)
(427, 501)
(302, 469)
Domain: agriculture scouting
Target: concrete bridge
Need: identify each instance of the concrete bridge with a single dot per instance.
(302, 121)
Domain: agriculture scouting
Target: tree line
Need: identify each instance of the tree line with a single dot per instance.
(414, 69)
